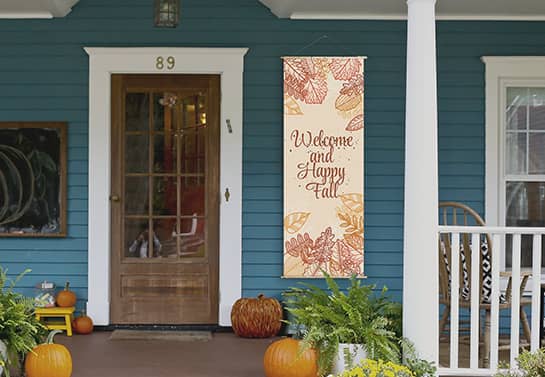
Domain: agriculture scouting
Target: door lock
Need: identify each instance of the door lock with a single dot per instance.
(115, 198)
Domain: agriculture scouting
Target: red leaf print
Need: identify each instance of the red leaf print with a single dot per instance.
(316, 91)
(297, 72)
(353, 87)
(345, 68)
(300, 246)
(356, 123)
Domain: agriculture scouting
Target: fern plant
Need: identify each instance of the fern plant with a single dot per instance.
(326, 319)
(19, 329)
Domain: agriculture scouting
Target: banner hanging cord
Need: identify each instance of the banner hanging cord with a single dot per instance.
(321, 38)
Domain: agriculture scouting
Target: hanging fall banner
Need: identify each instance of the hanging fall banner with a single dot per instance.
(323, 166)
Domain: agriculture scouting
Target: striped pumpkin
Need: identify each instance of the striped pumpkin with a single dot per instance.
(256, 317)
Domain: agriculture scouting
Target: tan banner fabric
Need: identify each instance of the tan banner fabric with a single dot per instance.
(323, 166)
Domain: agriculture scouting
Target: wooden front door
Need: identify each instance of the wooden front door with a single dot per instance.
(165, 199)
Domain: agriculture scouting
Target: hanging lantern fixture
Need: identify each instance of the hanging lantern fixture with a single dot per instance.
(167, 13)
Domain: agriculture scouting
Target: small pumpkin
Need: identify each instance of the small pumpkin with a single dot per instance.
(82, 324)
(66, 298)
(284, 358)
(49, 359)
(259, 317)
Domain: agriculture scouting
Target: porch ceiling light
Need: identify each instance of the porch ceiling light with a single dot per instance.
(167, 13)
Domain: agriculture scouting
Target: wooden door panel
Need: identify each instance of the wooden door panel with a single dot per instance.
(165, 199)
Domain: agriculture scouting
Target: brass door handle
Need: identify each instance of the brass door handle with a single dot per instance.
(115, 198)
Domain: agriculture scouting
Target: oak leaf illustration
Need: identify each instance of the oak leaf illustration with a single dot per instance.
(356, 123)
(345, 68)
(291, 107)
(353, 201)
(295, 221)
(315, 90)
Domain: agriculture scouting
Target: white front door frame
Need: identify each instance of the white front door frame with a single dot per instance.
(103, 62)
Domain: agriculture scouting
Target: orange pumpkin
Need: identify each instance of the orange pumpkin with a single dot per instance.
(284, 358)
(66, 298)
(256, 317)
(49, 360)
(82, 324)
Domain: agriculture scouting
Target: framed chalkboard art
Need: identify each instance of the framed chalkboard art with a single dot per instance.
(33, 179)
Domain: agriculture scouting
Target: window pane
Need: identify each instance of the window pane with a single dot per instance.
(516, 111)
(525, 206)
(537, 108)
(537, 153)
(515, 156)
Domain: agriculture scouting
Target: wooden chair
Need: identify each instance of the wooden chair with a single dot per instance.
(453, 213)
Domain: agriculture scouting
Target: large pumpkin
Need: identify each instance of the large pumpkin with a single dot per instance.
(256, 317)
(66, 298)
(82, 324)
(49, 360)
(284, 358)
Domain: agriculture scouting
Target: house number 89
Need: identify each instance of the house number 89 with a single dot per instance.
(160, 62)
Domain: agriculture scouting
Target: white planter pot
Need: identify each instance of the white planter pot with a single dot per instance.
(348, 356)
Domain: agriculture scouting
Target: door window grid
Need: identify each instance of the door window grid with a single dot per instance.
(186, 126)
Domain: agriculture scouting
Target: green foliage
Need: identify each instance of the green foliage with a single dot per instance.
(419, 367)
(530, 364)
(19, 329)
(358, 316)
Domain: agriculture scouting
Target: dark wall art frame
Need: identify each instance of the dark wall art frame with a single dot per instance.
(33, 168)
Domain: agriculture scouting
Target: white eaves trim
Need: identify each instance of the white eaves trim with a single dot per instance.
(485, 10)
(103, 62)
(394, 17)
(26, 9)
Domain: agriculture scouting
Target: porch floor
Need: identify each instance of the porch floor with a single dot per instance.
(225, 355)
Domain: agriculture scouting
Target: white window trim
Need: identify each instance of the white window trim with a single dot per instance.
(501, 72)
(104, 61)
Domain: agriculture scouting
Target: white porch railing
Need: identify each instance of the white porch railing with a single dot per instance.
(498, 237)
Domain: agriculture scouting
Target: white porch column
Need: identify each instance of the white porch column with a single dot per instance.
(420, 258)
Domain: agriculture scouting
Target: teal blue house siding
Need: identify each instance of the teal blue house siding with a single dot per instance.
(44, 77)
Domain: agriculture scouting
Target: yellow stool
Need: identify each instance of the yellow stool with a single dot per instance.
(66, 313)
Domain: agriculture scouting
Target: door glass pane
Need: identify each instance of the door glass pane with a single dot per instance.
(193, 196)
(193, 110)
(525, 207)
(136, 153)
(165, 231)
(136, 196)
(192, 149)
(137, 112)
(515, 153)
(192, 237)
(165, 197)
(516, 111)
(537, 109)
(164, 153)
(165, 109)
(136, 238)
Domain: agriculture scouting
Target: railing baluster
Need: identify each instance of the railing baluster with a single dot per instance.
(454, 299)
(475, 297)
(498, 244)
(515, 299)
(494, 251)
(536, 291)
